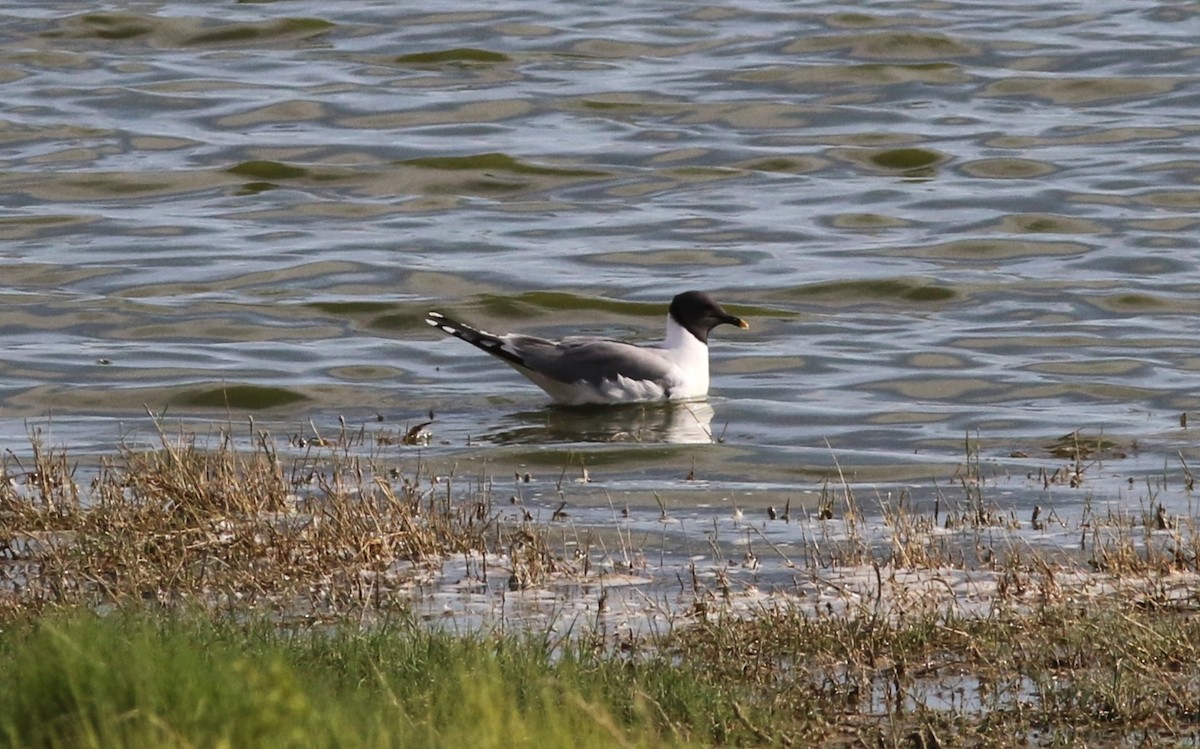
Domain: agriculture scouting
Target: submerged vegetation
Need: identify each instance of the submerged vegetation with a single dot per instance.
(240, 592)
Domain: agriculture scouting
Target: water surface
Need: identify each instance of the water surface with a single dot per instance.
(942, 221)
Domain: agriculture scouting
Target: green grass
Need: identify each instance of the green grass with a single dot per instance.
(1064, 675)
(168, 680)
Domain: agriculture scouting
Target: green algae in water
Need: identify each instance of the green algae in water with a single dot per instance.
(523, 305)
(112, 186)
(881, 289)
(254, 188)
(1134, 301)
(518, 305)
(905, 159)
(496, 162)
(610, 105)
(267, 170)
(352, 308)
(249, 397)
(866, 221)
(458, 54)
(483, 186)
(780, 164)
(850, 19)
(908, 44)
(116, 26)
(288, 27)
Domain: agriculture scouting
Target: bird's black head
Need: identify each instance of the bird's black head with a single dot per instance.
(698, 313)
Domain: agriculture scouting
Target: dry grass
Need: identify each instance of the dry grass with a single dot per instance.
(1063, 675)
(324, 534)
(967, 529)
(949, 630)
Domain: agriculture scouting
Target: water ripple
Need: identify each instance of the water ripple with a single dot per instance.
(941, 220)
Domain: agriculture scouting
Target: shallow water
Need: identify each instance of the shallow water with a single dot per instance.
(942, 220)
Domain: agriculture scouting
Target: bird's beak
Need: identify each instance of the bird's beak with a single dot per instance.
(739, 322)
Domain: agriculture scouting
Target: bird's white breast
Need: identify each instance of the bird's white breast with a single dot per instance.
(690, 357)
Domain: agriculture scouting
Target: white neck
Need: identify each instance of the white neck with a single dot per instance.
(690, 355)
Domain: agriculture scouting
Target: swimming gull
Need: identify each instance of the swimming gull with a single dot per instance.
(580, 370)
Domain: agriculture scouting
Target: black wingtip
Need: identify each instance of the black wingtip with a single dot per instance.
(446, 325)
(480, 339)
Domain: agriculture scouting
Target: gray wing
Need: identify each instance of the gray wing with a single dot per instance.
(591, 360)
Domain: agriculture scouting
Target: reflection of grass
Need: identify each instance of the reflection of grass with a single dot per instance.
(212, 565)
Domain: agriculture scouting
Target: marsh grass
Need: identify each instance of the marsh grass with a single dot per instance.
(133, 679)
(220, 593)
(237, 526)
(1064, 674)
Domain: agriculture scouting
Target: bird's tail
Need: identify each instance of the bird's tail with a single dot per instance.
(473, 336)
(489, 342)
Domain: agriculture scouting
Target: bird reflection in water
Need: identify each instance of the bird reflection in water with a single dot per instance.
(673, 423)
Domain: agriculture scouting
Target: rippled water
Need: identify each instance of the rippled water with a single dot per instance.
(941, 219)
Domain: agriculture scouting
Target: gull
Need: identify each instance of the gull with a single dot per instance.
(583, 370)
